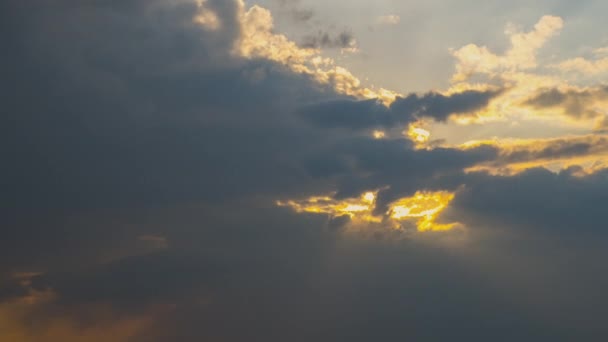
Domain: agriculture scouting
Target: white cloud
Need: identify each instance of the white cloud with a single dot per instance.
(520, 56)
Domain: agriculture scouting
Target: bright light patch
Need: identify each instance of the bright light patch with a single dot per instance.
(369, 197)
(379, 134)
(424, 207)
(358, 209)
(418, 135)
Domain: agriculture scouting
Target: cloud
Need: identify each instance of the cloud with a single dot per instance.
(370, 114)
(596, 65)
(532, 93)
(439, 107)
(517, 155)
(587, 103)
(536, 200)
(344, 40)
(258, 40)
(145, 146)
(520, 56)
(170, 122)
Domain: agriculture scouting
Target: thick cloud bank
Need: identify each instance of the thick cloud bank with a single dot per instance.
(143, 158)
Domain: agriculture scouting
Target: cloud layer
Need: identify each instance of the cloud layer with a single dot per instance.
(146, 145)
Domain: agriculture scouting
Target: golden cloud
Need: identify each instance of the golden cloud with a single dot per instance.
(258, 40)
(422, 210)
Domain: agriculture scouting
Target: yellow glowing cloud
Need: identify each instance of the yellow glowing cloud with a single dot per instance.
(422, 209)
(258, 40)
(516, 70)
(369, 197)
(418, 135)
(513, 68)
(379, 134)
(359, 209)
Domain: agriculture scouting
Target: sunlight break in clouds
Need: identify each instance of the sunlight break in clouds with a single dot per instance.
(185, 170)
(513, 68)
(421, 210)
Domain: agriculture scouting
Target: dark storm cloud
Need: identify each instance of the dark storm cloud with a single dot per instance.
(369, 114)
(11, 288)
(124, 119)
(362, 164)
(266, 272)
(268, 275)
(141, 110)
(347, 113)
(564, 203)
(134, 106)
(439, 107)
(246, 258)
(151, 108)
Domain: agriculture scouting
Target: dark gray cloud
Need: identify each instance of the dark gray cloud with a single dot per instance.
(124, 119)
(551, 150)
(348, 113)
(565, 203)
(439, 107)
(267, 273)
(578, 104)
(152, 121)
(154, 111)
(358, 165)
(369, 114)
(321, 39)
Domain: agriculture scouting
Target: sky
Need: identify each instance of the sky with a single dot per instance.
(303, 170)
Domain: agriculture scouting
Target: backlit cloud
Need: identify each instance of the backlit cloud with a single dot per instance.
(187, 170)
